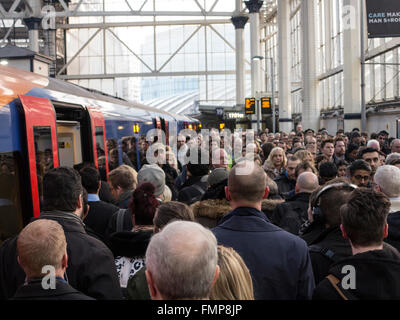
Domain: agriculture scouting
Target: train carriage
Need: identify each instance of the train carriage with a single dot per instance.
(46, 123)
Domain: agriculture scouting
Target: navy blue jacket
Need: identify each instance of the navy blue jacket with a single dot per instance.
(278, 261)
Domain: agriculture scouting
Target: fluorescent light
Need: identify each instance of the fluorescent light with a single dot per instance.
(3, 62)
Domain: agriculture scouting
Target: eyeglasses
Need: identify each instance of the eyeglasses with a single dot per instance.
(358, 177)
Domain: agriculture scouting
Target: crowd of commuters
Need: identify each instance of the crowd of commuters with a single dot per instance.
(274, 217)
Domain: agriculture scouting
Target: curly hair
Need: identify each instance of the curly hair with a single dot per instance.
(143, 204)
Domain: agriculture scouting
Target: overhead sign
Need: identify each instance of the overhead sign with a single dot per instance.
(383, 18)
(266, 106)
(219, 112)
(250, 106)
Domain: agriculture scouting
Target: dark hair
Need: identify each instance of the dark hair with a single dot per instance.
(90, 179)
(85, 202)
(267, 148)
(337, 140)
(172, 211)
(331, 200)
(350, 148)
(374, 135)
(359, 164)
(216, 191)
(197, 168)
(62, 187)
(328, 170)
(323, 143)
(341, 163)
(292, 158)
(143, 204)
(296, 140)
(366, 150)
(319, 158)
(364, 216)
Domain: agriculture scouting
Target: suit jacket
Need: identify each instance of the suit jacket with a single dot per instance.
(278, 261)
(99, 216)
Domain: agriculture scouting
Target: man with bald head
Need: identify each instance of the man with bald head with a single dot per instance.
(291, 214)
(278, 261)
(181, 262)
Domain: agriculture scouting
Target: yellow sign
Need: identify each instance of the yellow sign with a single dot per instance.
(266, 106)
(250, 106)
(136, 128)
(221, 126)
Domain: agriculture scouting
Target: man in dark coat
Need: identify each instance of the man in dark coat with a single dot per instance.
(287, 181)
(278, 261)
(328, 244)
(91, 268)
(291, 214)
(42, 254)
(100, 212)
(196, 176)
(372, 272)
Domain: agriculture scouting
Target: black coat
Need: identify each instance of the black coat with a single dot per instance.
(34, 291)
(321, 259)
(105, 193)
(99, 216)
(284, 184)
(393, 221)
(91, 268)
(278, 261)
(130, 243)
(192, 190)
(377, 276)
(291, 214)
(170, 176)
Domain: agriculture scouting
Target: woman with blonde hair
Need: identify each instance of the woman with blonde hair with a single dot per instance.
(276, 161)
(234, 280)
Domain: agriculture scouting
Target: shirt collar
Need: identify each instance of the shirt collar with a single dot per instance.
(92, 197)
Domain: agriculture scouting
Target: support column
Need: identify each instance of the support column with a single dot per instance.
(239, 22)
(351, 65)
(33, 23)
(255, 52)
(284, 66)
(311, 109)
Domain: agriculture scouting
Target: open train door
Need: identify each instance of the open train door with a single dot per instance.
(99, 137)
(41, 137)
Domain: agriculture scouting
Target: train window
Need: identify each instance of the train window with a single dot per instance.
(11, 220)
(100, 149)
(44, 154)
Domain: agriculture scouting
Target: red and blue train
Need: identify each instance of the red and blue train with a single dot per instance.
(46, 122)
